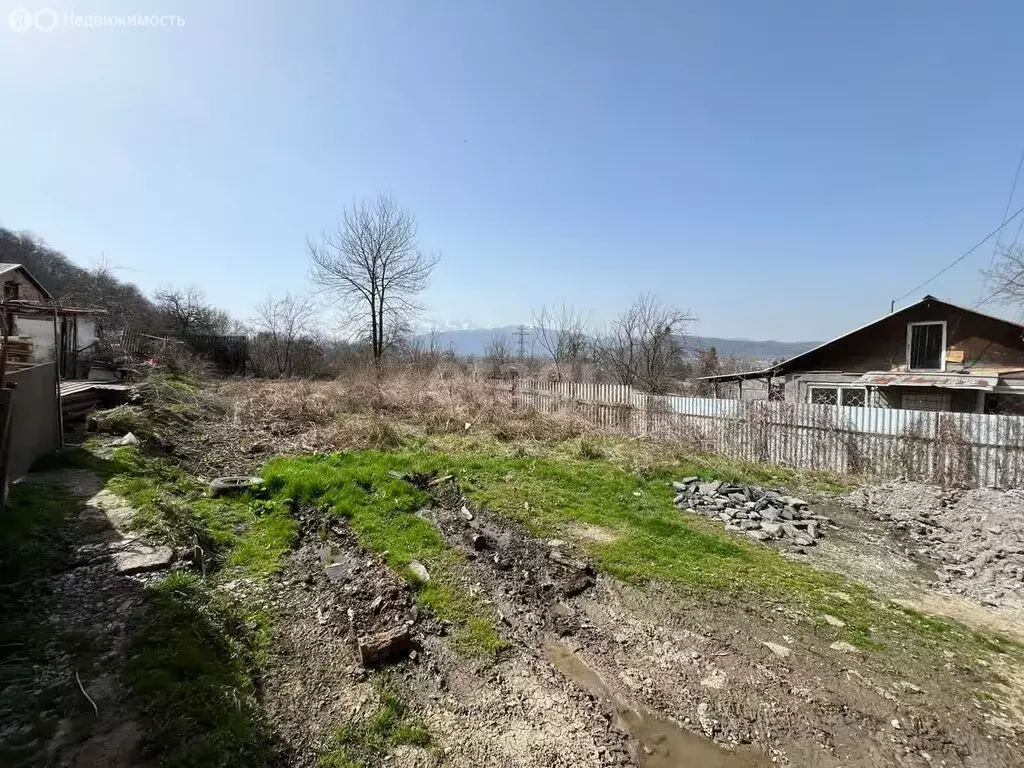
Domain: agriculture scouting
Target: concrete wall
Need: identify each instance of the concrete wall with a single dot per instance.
(86, 332)
(751, 389)
(35, 423)
(40, 331)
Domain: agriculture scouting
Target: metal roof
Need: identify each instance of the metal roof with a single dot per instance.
(737, 376)
(939, 380)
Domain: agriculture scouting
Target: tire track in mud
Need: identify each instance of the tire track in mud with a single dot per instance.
(591, 660)
(512, 711)
(727, 670)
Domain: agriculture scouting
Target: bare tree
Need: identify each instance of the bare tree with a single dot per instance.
(1006, 278)
(183, 311)
(285, 328)
(499, 350)
(643, 346)
(562, 334)
(708, 364)
(371, 265)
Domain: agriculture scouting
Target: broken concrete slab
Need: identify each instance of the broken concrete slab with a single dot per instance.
(844, 647)
(141, 558)
(779, 650)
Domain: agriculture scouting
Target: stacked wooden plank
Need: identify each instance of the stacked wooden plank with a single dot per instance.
(18, 350)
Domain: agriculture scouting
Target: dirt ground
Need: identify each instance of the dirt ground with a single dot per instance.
(600, 673)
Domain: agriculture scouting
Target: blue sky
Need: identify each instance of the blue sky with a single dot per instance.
(782, 169)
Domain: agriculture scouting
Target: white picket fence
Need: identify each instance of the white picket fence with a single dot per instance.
(951, 448)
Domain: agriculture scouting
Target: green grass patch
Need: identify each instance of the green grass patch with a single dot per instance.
(645, 458)
(649, 538)
(368, 741)
(194, 655)
(380, 509)
(246, 532)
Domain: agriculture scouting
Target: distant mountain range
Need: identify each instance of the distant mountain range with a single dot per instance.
(474, 342)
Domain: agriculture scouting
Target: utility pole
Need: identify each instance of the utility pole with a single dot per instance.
(520, 335)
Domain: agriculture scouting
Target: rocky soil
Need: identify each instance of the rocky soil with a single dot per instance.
(84, 721)
(974, 538)
(763, 515)
(598, 673)
(517, 711)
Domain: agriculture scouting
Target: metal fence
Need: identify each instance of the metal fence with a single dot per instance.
(35, 426)
(951, 448)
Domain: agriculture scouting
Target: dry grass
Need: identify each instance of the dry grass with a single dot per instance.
(456, 414)
(366, 411)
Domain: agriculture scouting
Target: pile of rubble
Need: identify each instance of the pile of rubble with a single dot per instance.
(762, 515)
(974, 538)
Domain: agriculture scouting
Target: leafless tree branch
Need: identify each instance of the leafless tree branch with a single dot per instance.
(1006, 277)
(643, 346)
(562, 333)
(285, 332)
(371, 266)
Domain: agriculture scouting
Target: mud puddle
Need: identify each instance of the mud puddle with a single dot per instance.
(662, 743)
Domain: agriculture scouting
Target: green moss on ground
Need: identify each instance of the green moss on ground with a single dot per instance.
(34, 541)
(196, 653)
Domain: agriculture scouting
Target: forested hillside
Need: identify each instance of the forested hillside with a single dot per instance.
(72, 285)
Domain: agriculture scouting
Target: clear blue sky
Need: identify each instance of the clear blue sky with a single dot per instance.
(780, 169)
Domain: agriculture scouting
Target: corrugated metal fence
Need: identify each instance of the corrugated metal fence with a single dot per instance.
(951, 448)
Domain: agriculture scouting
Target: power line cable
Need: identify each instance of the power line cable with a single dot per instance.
(1009, 201)
(1016, 238)
(1006, 210)
(997, 291)
(961, 257)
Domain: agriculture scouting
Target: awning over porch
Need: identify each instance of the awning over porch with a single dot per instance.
(938, 380)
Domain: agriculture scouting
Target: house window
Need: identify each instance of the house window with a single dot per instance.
(838, 395)
(926, 401)
(926, 346)
(1004, 403)
(10, 290)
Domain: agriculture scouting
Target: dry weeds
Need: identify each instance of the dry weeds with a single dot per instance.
(365, 411)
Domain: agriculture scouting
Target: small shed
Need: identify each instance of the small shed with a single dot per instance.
(36, 329)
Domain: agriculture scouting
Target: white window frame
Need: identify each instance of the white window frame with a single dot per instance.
(839, 393)
(942, 349)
